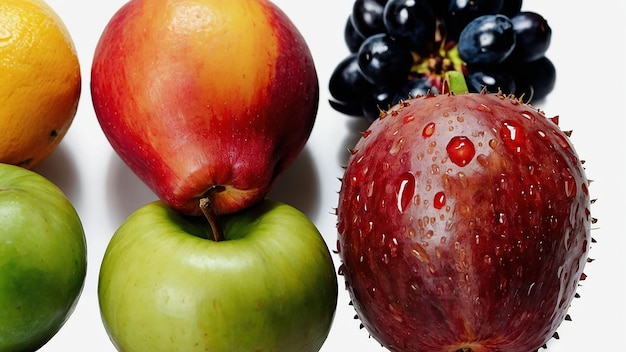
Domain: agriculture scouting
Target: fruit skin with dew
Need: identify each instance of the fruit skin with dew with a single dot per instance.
(269, 285)
(40, 81)
(205, 96)
(464, 224)
(42, 259)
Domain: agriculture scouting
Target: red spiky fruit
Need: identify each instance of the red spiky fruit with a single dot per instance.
(464, 225)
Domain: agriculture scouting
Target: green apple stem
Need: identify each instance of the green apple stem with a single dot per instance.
(207, 209)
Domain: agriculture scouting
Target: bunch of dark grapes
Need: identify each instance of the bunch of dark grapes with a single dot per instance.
(404, 48)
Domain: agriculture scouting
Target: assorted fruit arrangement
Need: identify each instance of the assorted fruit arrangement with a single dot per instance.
(404, 48)
(227, 268)
(42, 243)
(463, 216)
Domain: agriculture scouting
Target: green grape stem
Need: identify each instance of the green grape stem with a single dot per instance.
(456, 82)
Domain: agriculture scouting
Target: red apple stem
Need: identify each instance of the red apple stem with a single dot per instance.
(217, 233)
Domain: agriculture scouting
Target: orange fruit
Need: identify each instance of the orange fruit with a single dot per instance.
(40, 81)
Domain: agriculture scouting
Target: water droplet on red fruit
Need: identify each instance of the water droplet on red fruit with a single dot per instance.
(487, 259)
(397, 145)
(393, 247)
(529, 116)
(569, 182)
(370, 189)
(562, 139)
(461, 150)
(585, 189)
(420, 253)
(431, 268)
(406, 190)
(513, 136)
(482, 160)
(440, 200)
(340, 228)
(428, 130)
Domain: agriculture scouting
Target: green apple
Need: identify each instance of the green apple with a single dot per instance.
(43, 259)
(269, 285)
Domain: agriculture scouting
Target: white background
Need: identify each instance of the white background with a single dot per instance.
(587, 41)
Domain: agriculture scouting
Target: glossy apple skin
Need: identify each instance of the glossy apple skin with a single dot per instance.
(269, 286)
(198, 94)
(464, 222)
(42, 259)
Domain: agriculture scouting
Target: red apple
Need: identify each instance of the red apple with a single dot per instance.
(205, 97)
(464, 225)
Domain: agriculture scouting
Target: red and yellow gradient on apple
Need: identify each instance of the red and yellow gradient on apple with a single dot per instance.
(202, 95)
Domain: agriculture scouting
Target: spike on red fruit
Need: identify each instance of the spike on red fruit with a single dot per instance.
(465, 227)
(554, 119)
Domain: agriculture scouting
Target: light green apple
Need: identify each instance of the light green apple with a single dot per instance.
(42, 259)
(269, 285)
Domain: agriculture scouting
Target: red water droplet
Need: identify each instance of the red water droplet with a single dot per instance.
(528, 115)
(406, 190)
(393, 247)
(440, 200)
(483, 107)
(513, 136)
(428, 130)
(562, 139)
(341, 227)
(408, 118)
(460, 150)
(570, 183)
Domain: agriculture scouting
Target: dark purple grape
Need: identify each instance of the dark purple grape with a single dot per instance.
(487, 40)
(379, 98)
(417, 86)
(511, 8)
(353, 109)
(404, 48)
(440, 7)
(462, 12)
(533, 36)
(411, 21)
(352, 38)
(384, 61)
(347, 86)
(367, 17)
(490, 80)
(535, 80)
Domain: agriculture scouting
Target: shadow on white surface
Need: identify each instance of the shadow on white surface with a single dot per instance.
(299, 185)
(126, 192)
(355, 126)
(60, 168)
